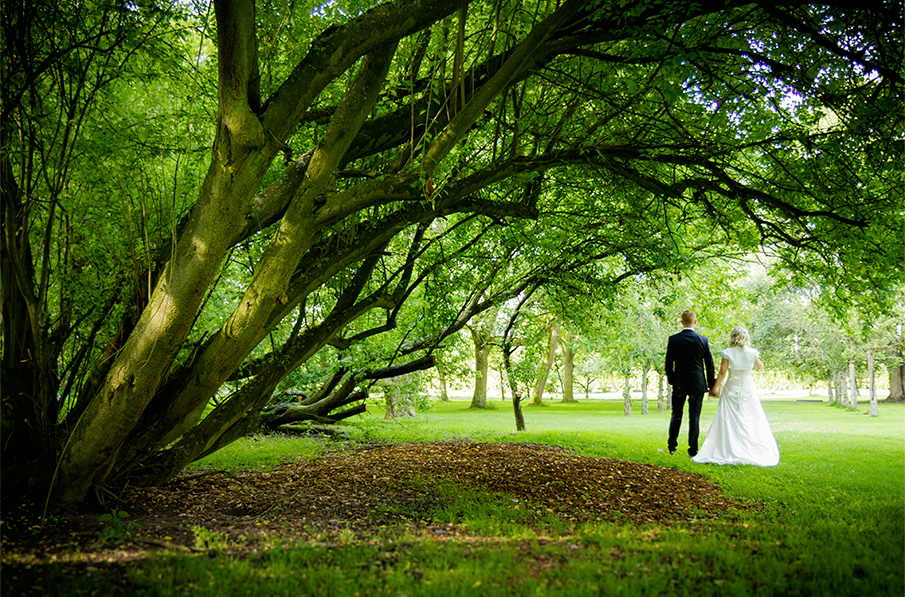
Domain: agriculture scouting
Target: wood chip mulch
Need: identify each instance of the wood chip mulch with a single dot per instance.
(363, 492)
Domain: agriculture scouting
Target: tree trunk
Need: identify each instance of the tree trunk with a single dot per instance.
(627, 393)
(842, 391)
(397, 405)
(834, 381)
(660, 378)
(546, 365)
(568, 358)
(644, 373)
(896, 369)
(444, 393)
(853, 387)
(872, 384)
(516, 395)
(242, 154)
(896, 384)
(482, 366)
(829, 387)
(286, 413)
(507, 365)
(517, 409)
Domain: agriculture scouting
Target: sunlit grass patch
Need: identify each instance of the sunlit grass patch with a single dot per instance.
(261, 451)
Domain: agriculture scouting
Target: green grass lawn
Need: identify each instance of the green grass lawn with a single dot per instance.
(833, 521)
(832, 525)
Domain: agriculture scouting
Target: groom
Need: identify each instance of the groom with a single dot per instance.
(689, 370)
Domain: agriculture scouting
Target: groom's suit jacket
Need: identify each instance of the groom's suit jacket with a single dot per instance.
(689, 364)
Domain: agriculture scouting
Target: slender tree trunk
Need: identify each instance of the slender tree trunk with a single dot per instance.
(627, 391)
(568, 358)
(842, 392)
(660, 378)
(516, 395)
(501, 373)
(644, 373)
(829, 387)
(853, 387)
(834, 377)
(872, 384)
(546, 365)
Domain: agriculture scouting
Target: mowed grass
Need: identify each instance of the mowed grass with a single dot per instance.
(833, 521)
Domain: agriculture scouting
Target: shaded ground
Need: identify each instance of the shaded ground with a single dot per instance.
(365, 492)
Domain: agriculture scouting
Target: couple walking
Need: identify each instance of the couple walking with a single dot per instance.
(739, 433)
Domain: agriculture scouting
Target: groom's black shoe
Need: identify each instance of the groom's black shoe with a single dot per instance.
(672, 451)
(692, 453)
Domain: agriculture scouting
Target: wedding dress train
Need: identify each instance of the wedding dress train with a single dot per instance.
(740, 433)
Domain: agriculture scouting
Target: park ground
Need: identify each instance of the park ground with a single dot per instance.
(586, 501)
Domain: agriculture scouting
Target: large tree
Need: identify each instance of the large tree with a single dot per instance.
(346, 141)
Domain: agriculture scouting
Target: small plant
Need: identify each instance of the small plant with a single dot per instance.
(117, 527)
(210, 540)
(346, 536)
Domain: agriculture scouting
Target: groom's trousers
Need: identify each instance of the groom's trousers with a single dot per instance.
(695, 402)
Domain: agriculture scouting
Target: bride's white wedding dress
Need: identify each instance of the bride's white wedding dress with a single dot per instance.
(740, 433)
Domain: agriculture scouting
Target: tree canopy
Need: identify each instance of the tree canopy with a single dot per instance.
(197, 200)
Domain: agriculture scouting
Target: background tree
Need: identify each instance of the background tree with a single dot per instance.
(568, 368)
(483, 342)
(552, 331)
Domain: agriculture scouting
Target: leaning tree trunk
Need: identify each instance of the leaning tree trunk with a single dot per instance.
(546, 365)
(238, 414)
(321, 408)
(247, 139)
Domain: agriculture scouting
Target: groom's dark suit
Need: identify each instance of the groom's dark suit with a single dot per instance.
(689, 370)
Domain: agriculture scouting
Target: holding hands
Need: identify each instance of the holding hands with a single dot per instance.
(724, 367)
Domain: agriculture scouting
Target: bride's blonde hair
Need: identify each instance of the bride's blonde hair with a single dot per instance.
(739, 337)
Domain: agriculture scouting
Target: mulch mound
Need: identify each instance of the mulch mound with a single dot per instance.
(367, 491)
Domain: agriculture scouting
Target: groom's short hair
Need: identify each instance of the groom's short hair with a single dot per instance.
(688, 317)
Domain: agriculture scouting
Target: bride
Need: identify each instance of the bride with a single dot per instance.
(739, 433)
